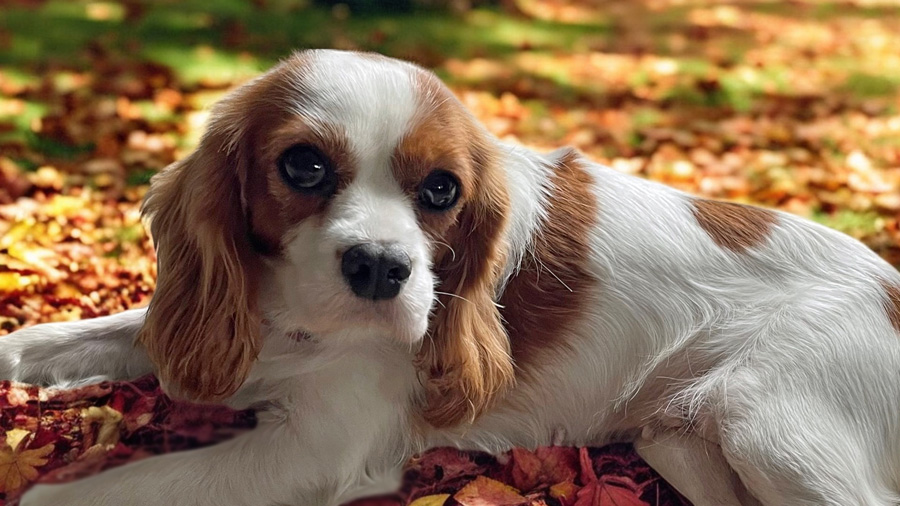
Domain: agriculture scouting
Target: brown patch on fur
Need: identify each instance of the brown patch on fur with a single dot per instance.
(466, 361)
(213, 213)
(550, 289)
(732, 226)
(892, 303)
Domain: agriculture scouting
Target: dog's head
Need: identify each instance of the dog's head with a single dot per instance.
(338, 193)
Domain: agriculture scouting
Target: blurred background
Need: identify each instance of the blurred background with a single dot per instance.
(793, 105)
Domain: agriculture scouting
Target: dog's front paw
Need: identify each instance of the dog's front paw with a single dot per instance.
(11, 359)
(37, 356)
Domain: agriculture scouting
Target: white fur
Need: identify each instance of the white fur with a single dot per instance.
(528, 189)
(777, 365)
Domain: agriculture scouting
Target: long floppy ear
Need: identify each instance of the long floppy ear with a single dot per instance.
(468, 360)
(202, 329)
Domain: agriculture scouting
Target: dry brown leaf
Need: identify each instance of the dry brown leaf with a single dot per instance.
(487, 492)
(18, 468)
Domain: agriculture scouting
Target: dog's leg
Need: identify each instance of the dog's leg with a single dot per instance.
(70, 354)
(264, 467)
(290, 458)
(795, 443)
(694, 466)
(792, 456)
(319, 436)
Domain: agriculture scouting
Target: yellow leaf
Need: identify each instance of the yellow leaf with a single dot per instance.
(12, 281)
(15, 436)
(108, 420)
(431, 500)
(564, 490)
(15, 234)
(64, 205)
(17, 468)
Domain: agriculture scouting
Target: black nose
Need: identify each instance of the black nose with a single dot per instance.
(374, 271)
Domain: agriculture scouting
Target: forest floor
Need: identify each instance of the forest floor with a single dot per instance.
(792, 105)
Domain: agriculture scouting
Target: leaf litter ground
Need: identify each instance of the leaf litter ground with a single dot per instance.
(794, 106)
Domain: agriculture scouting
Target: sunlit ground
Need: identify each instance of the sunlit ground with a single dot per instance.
(794, 105)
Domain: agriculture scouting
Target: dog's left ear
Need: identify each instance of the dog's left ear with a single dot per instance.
(467, 361)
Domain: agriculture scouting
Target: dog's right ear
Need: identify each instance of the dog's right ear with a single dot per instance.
(202, 329)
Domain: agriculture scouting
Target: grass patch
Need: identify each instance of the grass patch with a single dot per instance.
(206, 65)
(865, 85)
(139, 177)
(171, 33)
(21, 113)
(824, 11)
(855, 223)
(643, 117)
(53, 148)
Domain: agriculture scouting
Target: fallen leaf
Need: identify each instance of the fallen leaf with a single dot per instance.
(558, 463)
(566, 493)
(14, 437)
(526, 469)
(487, 492)
(107, 421)
(603, 493)
(431, 500)
(587, 467)
(546, 466)
(18, 468)
(450, 463)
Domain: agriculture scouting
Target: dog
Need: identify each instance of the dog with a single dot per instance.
(351, 253)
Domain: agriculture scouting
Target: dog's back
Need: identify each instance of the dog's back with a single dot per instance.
(775, 337)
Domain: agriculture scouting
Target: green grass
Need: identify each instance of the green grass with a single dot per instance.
(140, 177)
(182, 35)
(867, 85)
(855, 223)
(824, 10)
(213, 44)
(22, 120)
(56, 149)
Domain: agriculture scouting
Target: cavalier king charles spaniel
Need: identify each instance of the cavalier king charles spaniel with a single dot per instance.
(351, 253)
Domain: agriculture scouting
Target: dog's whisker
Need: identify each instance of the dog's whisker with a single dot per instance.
(453, 295)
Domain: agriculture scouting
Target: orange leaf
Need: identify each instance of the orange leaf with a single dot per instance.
(565, 492)
(487, 492)
(526, 470)
(559, 463)
(17, 468)
(431, 500)
(548, 465)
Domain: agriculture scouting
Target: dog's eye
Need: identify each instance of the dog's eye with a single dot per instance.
(439, 191)
(305, 169)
